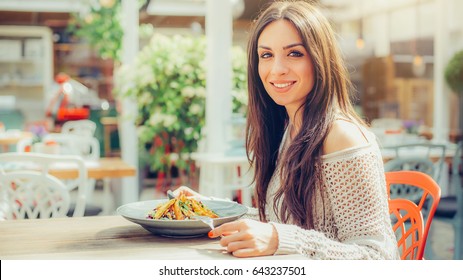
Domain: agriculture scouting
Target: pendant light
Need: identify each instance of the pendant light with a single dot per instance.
(418, 64)
(360, 42)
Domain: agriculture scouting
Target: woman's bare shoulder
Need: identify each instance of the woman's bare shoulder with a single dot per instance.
(343, 135)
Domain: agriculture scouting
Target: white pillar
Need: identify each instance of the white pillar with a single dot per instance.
(441, 120)
(219, 31)
(128, 135)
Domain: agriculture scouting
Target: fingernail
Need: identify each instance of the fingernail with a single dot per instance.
(210, 234)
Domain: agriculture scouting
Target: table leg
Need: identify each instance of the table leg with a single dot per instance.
(108, 198)
(458, 219)
(107, 141)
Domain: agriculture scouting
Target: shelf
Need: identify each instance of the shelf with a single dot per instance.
(26, 68)
(81, 62)
(67, 47)
(95, 62)
(21, 85)
(100, 80)
(21, 60)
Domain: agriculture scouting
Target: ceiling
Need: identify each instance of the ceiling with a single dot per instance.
(42, 12)
(38, 12)
(56, 13)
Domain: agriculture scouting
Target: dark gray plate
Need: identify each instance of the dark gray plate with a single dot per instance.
(137, 212)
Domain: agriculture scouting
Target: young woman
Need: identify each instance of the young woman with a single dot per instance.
(319, 174)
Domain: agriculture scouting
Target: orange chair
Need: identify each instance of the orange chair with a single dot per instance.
(409, 224)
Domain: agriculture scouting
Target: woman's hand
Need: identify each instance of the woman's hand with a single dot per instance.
(189, 193)
(247, 238)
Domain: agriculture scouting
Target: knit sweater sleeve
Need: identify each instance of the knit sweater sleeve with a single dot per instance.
(252, 213)
(355, 185)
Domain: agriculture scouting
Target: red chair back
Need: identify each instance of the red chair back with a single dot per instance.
(410, 225)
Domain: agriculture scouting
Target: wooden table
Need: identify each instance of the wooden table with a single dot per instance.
(388, 153)
(103, 168)
(12, 138)
(113, 167)
(102, 237)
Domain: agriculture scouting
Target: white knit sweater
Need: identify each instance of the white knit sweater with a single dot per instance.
(353, 222)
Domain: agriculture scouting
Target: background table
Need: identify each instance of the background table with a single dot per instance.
(10, 138)
(105, 169)
(113, 167)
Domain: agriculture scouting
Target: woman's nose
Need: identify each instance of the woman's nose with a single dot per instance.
(279, 67)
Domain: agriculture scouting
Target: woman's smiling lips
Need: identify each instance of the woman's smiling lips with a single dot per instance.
(282, 86)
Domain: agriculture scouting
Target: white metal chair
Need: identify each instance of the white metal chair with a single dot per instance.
(435, 153)
(79, 127)
(28, 190)
(87, 147)
(415, 157)
(24, 145)
(421, 164)
(424, 150)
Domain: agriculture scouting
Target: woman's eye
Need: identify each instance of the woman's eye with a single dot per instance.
(265, 55)
(296, 54)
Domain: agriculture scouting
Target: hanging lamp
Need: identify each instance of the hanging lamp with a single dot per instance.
(418, 64)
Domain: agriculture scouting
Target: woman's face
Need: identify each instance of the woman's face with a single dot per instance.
(285, 68)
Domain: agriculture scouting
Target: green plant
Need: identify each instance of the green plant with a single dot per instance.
(168, 82)
(454, 73)
(101, 26)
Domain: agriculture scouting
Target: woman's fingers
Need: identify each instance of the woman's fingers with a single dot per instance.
(233, 237)
(240, 246)
(244, 253)
(246, 247)
(224, 229)
(183, 190)
(245, 238)
(187, 192)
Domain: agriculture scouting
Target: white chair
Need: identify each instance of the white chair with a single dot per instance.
(421, 164)
(28, 190)
(222, 176)
(24, 145)
(83, 146)
(416, 157)
(87, 147)
(79, 127)
(426, 151)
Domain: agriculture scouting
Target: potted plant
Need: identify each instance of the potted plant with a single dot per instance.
(168, 82)
(454, 77)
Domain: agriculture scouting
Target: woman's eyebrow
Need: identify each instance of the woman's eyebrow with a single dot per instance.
(285, 47)
(293, 45)
(264, 47)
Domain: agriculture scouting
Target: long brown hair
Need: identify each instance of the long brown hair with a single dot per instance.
(267, 121)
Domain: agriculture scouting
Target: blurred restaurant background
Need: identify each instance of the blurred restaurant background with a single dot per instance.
(164, 81)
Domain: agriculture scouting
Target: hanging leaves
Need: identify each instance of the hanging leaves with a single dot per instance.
(454, 73)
